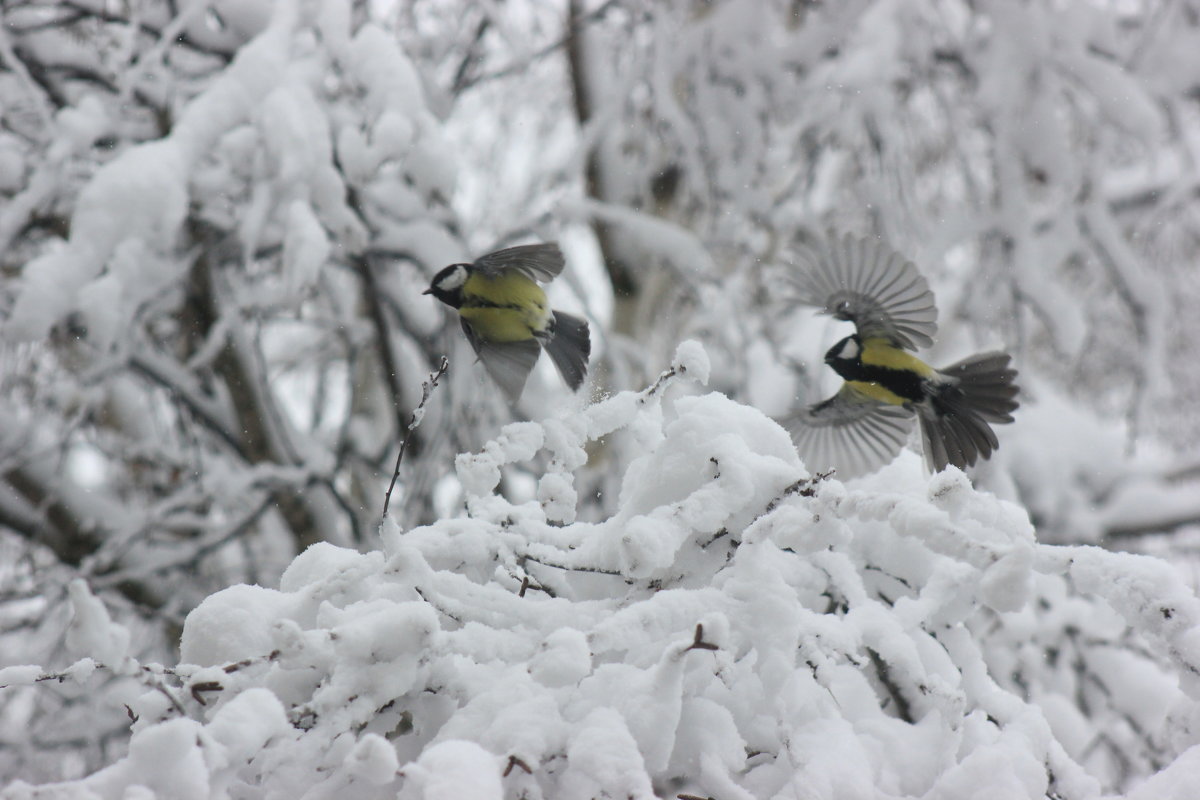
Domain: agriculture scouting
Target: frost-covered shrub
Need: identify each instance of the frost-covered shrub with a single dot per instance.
(738, 628)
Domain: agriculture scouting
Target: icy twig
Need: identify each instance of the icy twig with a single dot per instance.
(418, 414)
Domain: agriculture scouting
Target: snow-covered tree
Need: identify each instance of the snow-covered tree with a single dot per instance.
(215, 222)
(737, 628)
(216, 228)
(1034, 158)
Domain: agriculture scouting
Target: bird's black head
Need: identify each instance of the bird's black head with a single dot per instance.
(844, 355)
(447, 285)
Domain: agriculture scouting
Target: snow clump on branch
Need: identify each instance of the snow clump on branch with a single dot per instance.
(738, 628)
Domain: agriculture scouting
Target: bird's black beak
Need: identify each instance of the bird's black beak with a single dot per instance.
(428, 291)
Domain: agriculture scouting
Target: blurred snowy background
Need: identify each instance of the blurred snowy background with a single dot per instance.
(216, 219)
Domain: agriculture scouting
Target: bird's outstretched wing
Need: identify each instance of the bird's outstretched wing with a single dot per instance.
(865, 282)
(850, 432)
(509, 363)
(538, 262)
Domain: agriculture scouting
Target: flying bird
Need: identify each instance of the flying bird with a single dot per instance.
(507, 319)
(866, 423)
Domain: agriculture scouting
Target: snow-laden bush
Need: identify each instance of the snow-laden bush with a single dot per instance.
(737, 629)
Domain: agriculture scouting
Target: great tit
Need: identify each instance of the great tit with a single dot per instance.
(865, 424)
(506, 318)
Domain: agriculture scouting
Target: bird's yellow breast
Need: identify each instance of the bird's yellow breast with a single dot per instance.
(877, 352)
(508, 308)
(877, 391)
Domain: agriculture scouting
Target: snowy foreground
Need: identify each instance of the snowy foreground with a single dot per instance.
(736, 630)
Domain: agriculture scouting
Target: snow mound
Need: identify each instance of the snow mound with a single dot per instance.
(736, 629)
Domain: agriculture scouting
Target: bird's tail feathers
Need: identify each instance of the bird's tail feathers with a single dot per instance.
(956, 430)
(987, 386)
(570, 347)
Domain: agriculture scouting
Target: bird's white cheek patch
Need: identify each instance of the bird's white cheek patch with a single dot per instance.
(454, 280)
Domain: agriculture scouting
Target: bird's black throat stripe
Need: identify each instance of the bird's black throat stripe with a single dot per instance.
(901, 382)
(474, 301)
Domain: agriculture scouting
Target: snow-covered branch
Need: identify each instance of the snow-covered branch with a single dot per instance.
(906, 638)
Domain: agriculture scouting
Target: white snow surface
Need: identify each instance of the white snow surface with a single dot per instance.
(92, 632)
(734, 630)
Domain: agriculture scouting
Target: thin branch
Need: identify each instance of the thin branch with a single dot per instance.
(108, 575)
(805, 487)
(521, 65)
(180, 385)
(569, 568)
(663, 380)
(471, 57)
(418, 414)
(155, 32)
(374, 296)
(1151, 526)
(11, 59)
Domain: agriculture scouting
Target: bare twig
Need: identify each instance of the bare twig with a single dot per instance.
(884, 673)
(471, 57)
(698, 642)
(156, 683)
(569, 568)
(198, 689)
(418, 414)
(513, 761)
(663, 380)
(805, 487)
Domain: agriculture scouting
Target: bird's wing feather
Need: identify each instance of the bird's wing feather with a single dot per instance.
(849, 432)
(509, 363)
(538, 262)
(866, 282)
